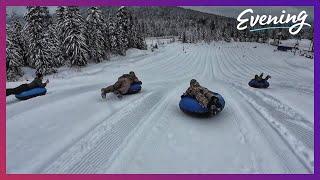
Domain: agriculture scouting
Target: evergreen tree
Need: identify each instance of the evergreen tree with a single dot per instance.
(59, 30)
(122, 21)
(60, 13)
(37, 26)
(184, 37)
(112, 37)
(75, 42)
(18, 39)
(132, 32)
(95, 29)
(55, 46)
(136, 40)
(14, 57)
(226, 34)
(106, 37)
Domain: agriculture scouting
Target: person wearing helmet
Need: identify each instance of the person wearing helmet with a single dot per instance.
(205, 97)
(122, 86)
(37, 82)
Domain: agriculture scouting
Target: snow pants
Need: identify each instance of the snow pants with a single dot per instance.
(17, 90)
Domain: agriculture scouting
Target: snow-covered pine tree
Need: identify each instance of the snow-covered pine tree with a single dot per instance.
(136, 40)
(122, 21)
(212, 29)
(112, 36)
(218, 33)
(60, 28)
(36, 28)
(235, 35)
(60, 18)
(106, 37)
(226, 33)
(18, 40)
(14, 56)
(55, 46)
(141, 43)
(95, 28)
(132, 33)
(184, 37)
(75, 42)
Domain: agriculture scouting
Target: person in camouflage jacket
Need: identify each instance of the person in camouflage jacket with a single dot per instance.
(205, 97)
(122, 86)
(37, 82)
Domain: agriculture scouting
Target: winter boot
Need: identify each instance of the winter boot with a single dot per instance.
(118, 94)
(268, 77)
(213, 100)
(103, 94)
(9, 92)
(212, 110)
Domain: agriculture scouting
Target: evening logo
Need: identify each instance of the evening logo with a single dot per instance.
(285, 21)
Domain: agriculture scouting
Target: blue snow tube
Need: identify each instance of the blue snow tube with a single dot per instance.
(256, 84)
(134, 88)
(191, 106)
(39, 91)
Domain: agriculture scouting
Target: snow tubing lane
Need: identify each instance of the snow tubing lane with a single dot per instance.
(190, 105)
(255, 84)
(134, 88)
(31, 93)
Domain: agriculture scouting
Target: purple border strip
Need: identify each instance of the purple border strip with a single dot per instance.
(161, 2)
(316, 87)
(314, 3)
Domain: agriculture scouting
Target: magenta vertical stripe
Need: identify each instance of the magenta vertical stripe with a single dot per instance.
(2, 87)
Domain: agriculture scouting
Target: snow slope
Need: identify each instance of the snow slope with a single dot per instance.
(72, 130)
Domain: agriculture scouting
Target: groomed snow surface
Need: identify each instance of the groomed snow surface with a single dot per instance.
(73, 130)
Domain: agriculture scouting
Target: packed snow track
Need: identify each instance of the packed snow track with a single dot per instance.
(73, 130)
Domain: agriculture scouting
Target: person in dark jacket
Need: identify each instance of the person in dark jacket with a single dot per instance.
(37, 82)
(260, 78)
(122, 86)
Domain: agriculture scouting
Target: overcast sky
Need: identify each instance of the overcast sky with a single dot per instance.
(230, 11)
